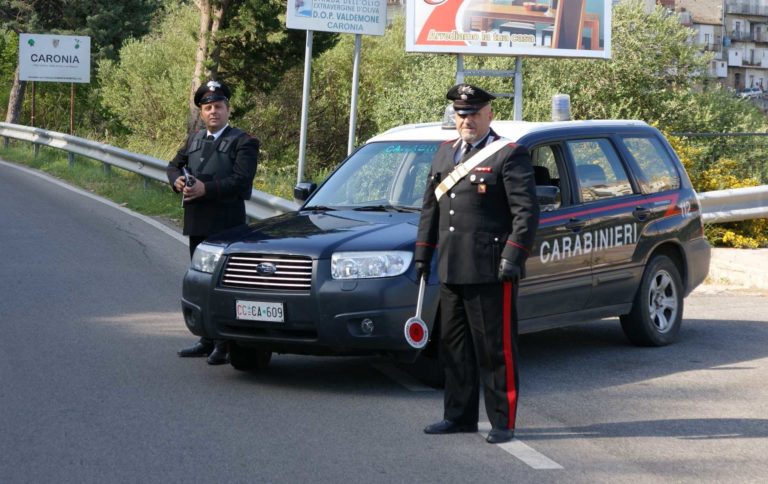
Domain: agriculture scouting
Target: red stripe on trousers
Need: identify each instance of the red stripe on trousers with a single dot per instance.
(509, 359)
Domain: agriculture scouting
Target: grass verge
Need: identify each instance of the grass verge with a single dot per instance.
(148, 197)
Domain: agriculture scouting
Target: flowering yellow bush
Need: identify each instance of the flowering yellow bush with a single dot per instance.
(721, 175)
(739, 241)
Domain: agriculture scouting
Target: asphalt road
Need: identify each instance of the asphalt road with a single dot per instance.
(91, 389)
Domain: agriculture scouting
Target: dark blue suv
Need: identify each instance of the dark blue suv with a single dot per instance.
(620, 234)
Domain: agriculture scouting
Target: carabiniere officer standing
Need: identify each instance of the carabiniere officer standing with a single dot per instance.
(222, 161)
(484, 221)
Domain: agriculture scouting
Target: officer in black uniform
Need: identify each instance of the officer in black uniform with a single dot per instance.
(484, 223)
(222, 161)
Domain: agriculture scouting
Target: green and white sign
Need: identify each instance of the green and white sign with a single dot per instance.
(54, 58)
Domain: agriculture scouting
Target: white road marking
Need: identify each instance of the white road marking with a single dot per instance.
(154, 223)
(402, 378)
(515, 448)
(527, 454)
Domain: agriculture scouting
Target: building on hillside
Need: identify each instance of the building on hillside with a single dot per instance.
(705, 17)
(746, 43)
(735, 31)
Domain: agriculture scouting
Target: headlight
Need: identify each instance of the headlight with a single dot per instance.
(366, 265)
(205, 258)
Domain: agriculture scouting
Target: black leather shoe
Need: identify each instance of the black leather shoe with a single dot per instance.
(220, 356)
(196, 350)
(499, 436)
(449, 427)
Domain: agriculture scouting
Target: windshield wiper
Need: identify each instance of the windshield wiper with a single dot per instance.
(375, 208)
(319, 208)
(385, 208)
(406, 208)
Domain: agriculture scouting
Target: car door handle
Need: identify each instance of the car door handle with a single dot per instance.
(641, 213)
(575, 224)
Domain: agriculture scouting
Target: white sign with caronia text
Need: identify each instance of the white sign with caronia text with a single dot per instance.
(54, 58)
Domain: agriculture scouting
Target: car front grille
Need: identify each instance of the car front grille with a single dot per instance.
(268, 271)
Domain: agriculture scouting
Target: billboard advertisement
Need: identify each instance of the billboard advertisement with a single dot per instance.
(555, 28)
(366, 17)
(54, 58)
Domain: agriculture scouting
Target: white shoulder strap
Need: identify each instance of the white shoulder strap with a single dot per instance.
(462, 169)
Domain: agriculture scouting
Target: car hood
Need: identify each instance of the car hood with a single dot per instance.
(320, 233)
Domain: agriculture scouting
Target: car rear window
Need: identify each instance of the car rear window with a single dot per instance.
(657, 171)
(598, 169)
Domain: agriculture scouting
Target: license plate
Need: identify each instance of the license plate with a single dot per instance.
(260, 311)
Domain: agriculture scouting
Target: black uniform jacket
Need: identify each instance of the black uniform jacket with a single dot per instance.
(491, 213)
(228, 176)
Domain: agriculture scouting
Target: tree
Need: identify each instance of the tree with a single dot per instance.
(246, 44)
(13, 17)
(145, 92)
(257, 48)
(107, 22)
(653, 75)
(211, 15)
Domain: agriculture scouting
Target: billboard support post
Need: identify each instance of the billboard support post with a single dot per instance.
(518, 89)
(517, 75)
(459, 68)
(305, 106)
(353, 102)
(359, 17)
(72, 108)
(32, 107)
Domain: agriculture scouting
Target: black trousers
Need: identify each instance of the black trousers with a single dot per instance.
(194, 241)
(477, 343)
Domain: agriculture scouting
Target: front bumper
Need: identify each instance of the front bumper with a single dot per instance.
(326, 320)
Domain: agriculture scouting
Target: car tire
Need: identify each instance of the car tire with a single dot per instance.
(657, 311)
(249, 359)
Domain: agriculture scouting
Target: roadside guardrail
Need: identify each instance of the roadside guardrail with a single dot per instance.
(261, 205)
(734, 204)
(717, 206)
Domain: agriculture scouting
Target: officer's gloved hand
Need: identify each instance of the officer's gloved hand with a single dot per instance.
(508, 271)
(422, 270)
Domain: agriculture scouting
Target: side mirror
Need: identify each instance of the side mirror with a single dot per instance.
(549, 197)
(303, 190)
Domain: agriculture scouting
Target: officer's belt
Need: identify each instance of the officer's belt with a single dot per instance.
(463, 169)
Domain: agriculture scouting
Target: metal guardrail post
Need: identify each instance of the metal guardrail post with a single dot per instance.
(71, 159)
(37, 150)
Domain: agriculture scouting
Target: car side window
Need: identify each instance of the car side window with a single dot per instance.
(547, 173)
(656, 170)
(598, 170)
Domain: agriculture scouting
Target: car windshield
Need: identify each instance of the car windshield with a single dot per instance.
(379, 176)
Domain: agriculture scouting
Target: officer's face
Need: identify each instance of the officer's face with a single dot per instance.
(473, 126)
(215, 115)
